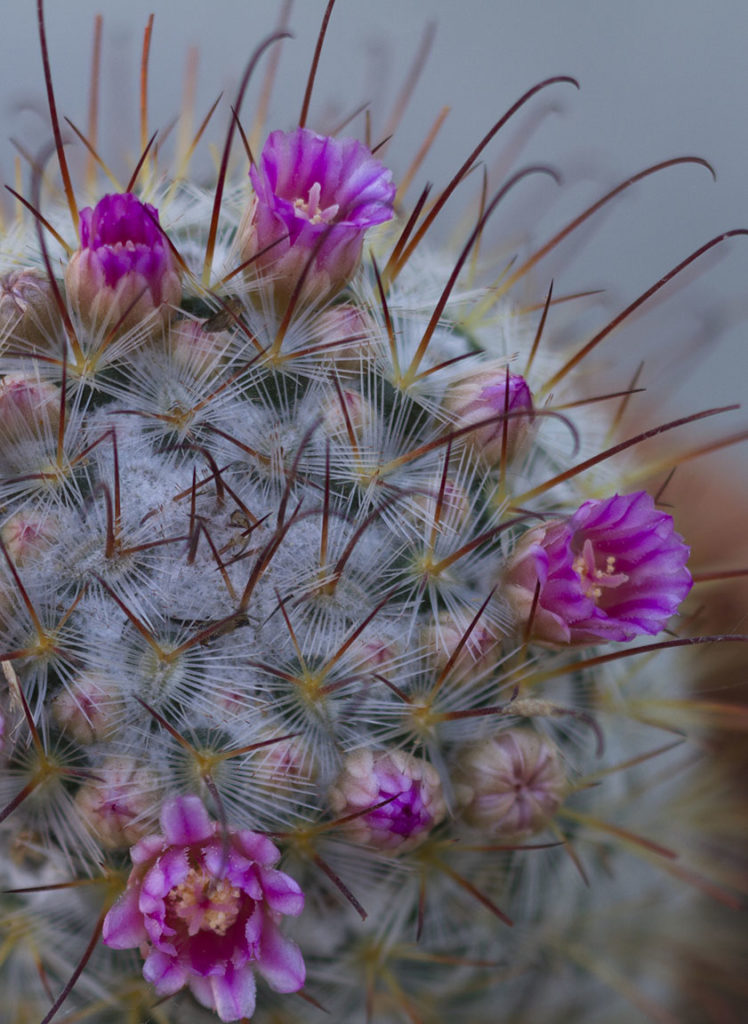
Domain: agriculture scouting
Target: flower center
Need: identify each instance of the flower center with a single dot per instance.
(593, 579)
(311, 210)
(205, 903)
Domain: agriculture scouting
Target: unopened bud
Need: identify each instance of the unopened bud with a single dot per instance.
(118, 806)
(28, 311)
(403, 793)
(501, 402)
(27, 533)
(511, 784)
(28, 407)
(88, 711)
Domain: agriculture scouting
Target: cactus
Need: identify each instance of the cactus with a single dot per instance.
(348, 663)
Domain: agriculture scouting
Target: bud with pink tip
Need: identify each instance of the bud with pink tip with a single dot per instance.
(124, 267)
(89, 709)
(117, 805)
(502, 402)
(204, 905)
(442, 640)
(347, 337)
(403, 793)
(28, 407)
(614, 570)
(28, 311)
(511, 784)
(27, 533)
(345, 411)
(197, 350)
(314, 199)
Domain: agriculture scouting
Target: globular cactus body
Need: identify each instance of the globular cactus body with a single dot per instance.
(300, 560)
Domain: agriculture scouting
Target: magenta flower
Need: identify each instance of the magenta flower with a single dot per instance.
(614, 570)
(501, 402)
(204, 907)
(124, 264)
(315, 197)
(403, 792)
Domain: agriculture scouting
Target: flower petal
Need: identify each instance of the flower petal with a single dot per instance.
(279, 960)
(123, 925)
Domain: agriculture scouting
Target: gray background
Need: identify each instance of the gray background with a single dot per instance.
(659, 78)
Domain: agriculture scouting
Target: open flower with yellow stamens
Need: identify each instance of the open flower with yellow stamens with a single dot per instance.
(204, 908)
(614, 570)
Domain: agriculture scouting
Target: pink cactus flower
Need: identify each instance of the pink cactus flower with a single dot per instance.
(614, 570)
(124, 267)
(315, 197)
(204, 907)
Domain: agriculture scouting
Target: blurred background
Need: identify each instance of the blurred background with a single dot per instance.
(658, 80)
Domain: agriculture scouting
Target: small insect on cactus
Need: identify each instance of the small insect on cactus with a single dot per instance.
(347, 639)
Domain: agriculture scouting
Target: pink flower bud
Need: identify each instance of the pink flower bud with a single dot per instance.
(27, 533)
(88, 711)
(511, 784)
(28, 311)
(315, 197)
(442, 639)
(412, 792)
(348, 335)
(28, 407)
(336, 420)
(124, 264)
(504, 400)
(204, 906)
(614, 570)
(117, 805)
(373, 652)
(195, 349)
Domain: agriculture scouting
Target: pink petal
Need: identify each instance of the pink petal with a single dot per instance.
(282, 893)
(185, 821)
(279, 960)
(232, 995)
(123, 925)
(165, 973)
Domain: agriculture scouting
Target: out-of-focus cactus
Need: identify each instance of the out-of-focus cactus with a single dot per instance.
(344, 654)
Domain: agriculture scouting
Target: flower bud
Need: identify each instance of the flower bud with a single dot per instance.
(614, 570)
(124, 267)
(117, 805)
(511, 784)
(314, 198)
(410, 786)
(348, 337)
(88, 711)
(373, 652)
(28, 311)
(28, 406)
(442, 639)
(27, 533)
(336, 421)
(505, 400)
(195, 349)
